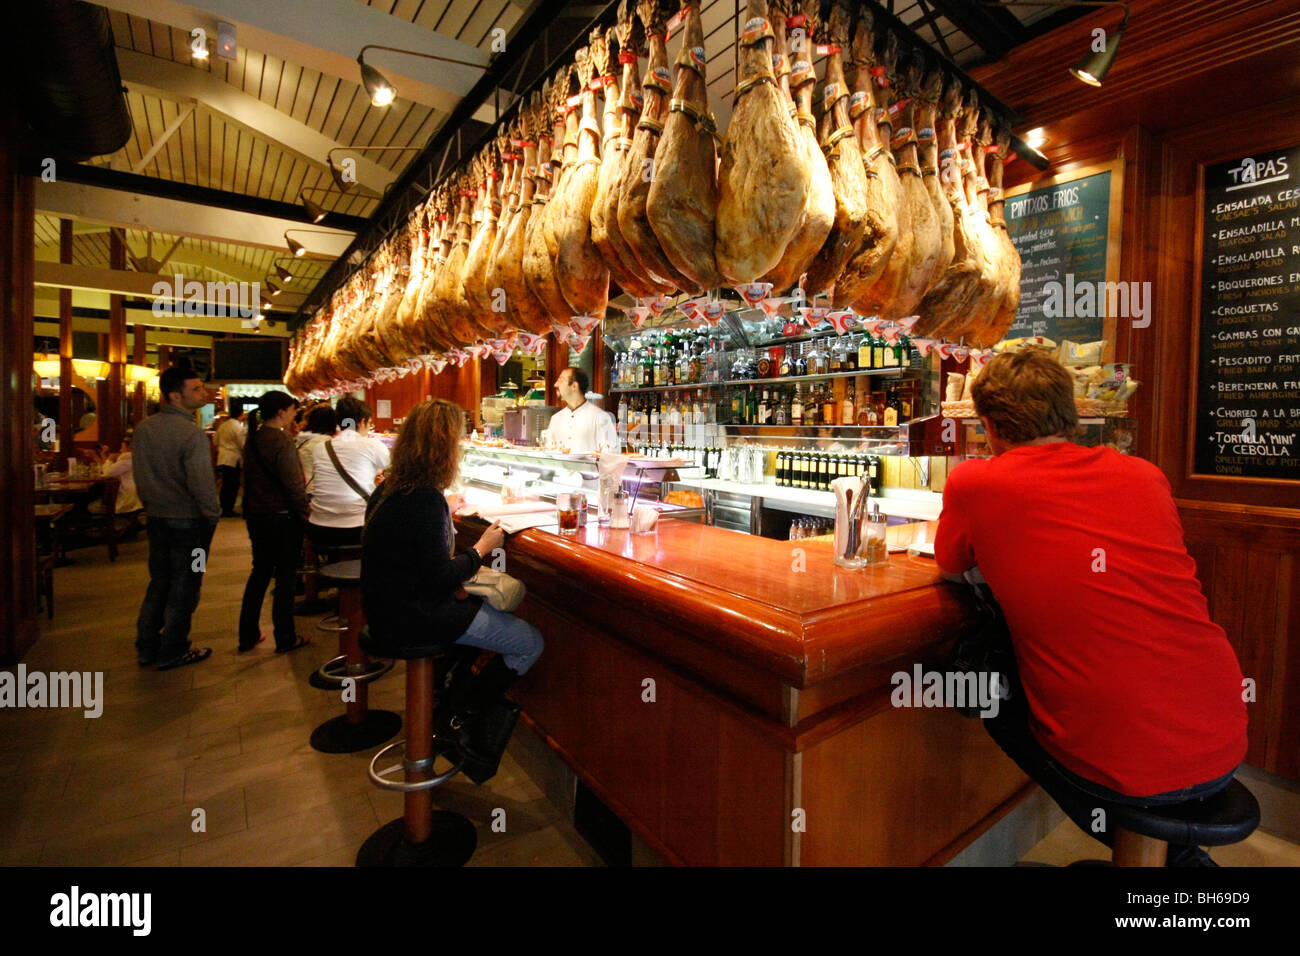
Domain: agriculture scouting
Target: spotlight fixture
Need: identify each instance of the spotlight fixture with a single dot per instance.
(1094, 65)
(296, 247)
(345, 176)
(381, 92)
(314, 209)
(1036, 138)
(285, 275)
(273, 286)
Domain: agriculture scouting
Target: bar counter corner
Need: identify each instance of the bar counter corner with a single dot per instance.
(728, 696)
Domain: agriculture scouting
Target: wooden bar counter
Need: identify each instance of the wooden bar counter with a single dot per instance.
(727, 695)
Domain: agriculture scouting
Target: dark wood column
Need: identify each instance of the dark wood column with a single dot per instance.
(67, 427)
(110, 418)
(140, 344)
(17, 410)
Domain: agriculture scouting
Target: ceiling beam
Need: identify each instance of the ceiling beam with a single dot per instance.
(202, 195)
(175, 218)
(159, 287)
(327, 35)
(153, 337)
(213, 261)
(175, 81)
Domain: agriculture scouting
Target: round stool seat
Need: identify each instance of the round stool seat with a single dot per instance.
(1228, 816)
(407, 652)
(341, 572)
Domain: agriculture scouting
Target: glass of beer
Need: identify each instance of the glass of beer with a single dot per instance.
(571, 511)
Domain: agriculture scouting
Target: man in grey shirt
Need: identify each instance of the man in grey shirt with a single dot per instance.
(172, 463)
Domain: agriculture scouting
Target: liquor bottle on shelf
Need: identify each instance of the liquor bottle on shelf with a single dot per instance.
(892, 407)
(848, 413)
(654, 421)
(816, 359)
(751, 407)
(647, 369)
(801, 359)
(829, 409)
(781, 409)
(850, 355)
(837, 354)
(787, 363)
(874, 474)
(796, 406)
(765, 409)
(865, 352)
(878, 352)
(893, 355)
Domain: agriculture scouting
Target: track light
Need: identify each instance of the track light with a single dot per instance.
(297, 248)
(273, 286)
(381, 92)
(314, 209)
(1093, 67)
(345, 172)
(285, 275)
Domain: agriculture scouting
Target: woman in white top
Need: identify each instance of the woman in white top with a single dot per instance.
(341, 484)
(320, 425)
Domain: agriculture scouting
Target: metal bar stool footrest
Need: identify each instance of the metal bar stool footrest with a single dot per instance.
(383, 780)
(332, 674)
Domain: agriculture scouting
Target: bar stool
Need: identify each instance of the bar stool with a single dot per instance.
(334, 623)
(360, 728)
(420, 837)
(1143, 834)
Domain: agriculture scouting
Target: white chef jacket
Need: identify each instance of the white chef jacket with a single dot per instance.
(230, 443)
(583, 429)
(334, 504)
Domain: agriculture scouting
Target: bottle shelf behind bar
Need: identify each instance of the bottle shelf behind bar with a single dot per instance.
(780, 380)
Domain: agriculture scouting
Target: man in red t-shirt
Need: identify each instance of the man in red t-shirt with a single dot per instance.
(1134, 695)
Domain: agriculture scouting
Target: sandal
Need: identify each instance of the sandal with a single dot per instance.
(300, 642)
(192, 656)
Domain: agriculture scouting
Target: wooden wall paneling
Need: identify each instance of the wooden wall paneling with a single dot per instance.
(1284, 740)
(1255, 645)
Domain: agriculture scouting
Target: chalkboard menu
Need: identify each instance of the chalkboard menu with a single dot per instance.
(1062, 233)
(1248, 371)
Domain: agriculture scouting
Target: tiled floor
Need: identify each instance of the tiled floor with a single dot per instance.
(209, 764)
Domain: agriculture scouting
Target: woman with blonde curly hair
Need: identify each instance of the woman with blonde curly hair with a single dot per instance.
(412, 585)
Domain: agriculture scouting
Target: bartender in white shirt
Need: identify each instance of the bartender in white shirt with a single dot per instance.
(580, 427)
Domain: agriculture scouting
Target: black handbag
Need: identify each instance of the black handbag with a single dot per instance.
(985, 649)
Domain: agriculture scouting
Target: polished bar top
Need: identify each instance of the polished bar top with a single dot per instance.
(783, 605)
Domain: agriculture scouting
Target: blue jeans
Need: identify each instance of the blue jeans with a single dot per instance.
(162, 631)
(517, 641)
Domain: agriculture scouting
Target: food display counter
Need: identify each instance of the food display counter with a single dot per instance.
(728, 695)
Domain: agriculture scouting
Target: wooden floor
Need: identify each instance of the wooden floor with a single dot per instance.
(229, 737)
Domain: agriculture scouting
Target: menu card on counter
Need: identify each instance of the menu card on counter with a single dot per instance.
(1062, 232)
(1248, 367)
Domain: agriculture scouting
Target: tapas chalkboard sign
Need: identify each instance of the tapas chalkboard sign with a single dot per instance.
(1066, 231)
(1248, 363)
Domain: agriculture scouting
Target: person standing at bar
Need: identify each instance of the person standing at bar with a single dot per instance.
(581, 426)
(276, 512)
(230, 454)
(172, 466)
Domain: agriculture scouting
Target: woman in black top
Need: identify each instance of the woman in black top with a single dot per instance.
(412, 586)
(275, 510)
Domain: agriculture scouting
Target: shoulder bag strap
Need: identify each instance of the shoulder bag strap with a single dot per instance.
(338, 466)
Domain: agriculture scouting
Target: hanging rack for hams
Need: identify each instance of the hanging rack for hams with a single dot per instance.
(876, 185)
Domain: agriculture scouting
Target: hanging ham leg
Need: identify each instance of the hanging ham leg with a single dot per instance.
(523, 307)
(818, 215)
(1010, 304)
(605, 232)
(928, 151)
(538, 267)
(579, 269)
(847, 170)
(683, 202)
(649, 261)
(927, 242)
(474, 277)
(871, 279)
(763, 178)
(992, 288)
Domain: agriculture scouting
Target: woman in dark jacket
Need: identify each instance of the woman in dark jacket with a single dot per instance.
(412, 585)
(276, 511)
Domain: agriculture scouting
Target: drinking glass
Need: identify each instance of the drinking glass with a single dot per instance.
(571, 511)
